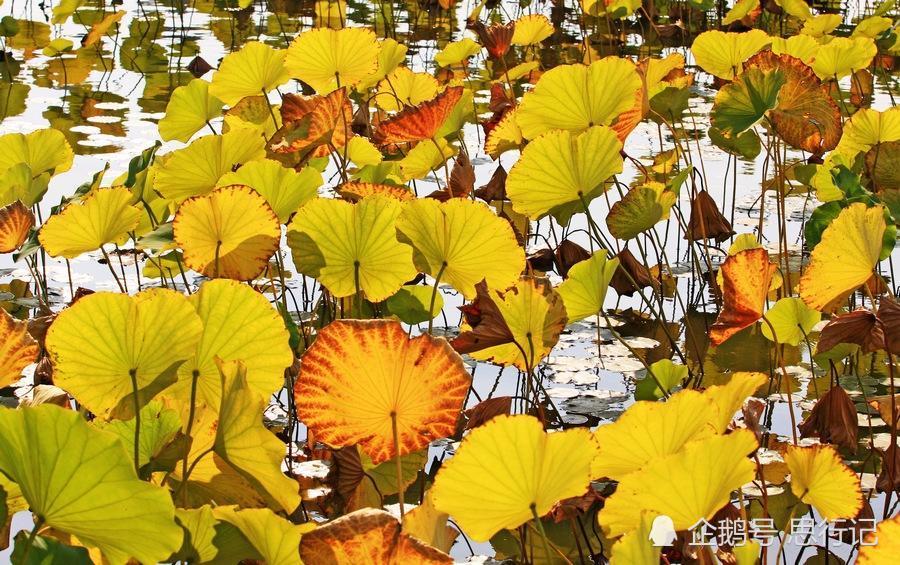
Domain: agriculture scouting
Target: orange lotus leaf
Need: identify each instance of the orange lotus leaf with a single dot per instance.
(806, 116)
(17, 348)
(746, 277)
(356, 190)
(321, 123)
(419, 122)
(366, 536)
(15, 222)
(365, 382)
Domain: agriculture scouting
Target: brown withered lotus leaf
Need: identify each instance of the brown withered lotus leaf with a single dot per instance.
(319, 124)
(496, 38)
(199, 67)
(889, 314)
(883, 165)
(345, 474)
(495, 189)
(862, 86)
(746, 277)
(462, 181)
(541, 260)
(487, 323)
(487, 409)
(888, 409)
(806, 116)
(520, 237)
(889, 478)
(752, 411)
(362, 120)
(500, 99)
(833, 419)
(362, 379)
(860, 327)
(417, 123)
(706, 221)
(567, 254)
(574, 507)
(16, 220)
(366, 536)
(629, 272)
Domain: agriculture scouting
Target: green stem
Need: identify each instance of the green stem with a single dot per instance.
(434, 292)
(540, 527)
(38, 523)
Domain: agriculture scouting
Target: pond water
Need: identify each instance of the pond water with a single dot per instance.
(107, 101)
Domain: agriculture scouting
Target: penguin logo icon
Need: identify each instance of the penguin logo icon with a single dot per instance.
(662, 533)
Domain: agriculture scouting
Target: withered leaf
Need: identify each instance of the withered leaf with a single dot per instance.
(833, 419)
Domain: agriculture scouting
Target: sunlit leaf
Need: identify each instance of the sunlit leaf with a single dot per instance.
(584, 291)
(517, 469)
(189, 110)
(403, 87)
(639, 210)
(792, 319)
(420, 122)
(457, 52)
(17, 348)
(820, 478)
(746, 277)
(254, 69)
(327, 59)
(362, 380)
(80, 481)
(230, 232)
(43, 150)
(284, 189)
(723, 53)
(16, 222)
(843, 55)
(741, 104)
(276, 539)
(532, 29)
(881, 546)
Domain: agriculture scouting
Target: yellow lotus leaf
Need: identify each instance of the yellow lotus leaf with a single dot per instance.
(505, 136)
(426, 523)
(201, 529)
(367, 536)
(821, 25)
(842, 55)
(687, 486)
(792, 319)
(362, 152)
(560, 173)
(535, 315)
(19, 183)
(872, 27)
(637, 546)
(739, 10)
(244, 442)
(578, 97)
(797, 8)
(656, 71)
(17, 349)
(104, 216)
(327, 59)
(867, 128)
(403, 87)
(366, 383)
(356, 191)
(285, 190)
(390, 55)
(231, 233)
(189, 110)
(820, 479)
(461, 242)
(275, 539)
(723, 53)
(516, 470)
(158, 428)
(106, 345)
(253, 112)
(457, 52)
(883, 545)
(80, 481)
(253, 70)
(43, 150)
(728, 398)
(584, 291)
(195, 169)
(802, 47)
(844, 258)
(16, 221)
(649, 431)
(532, 29)
(238, 324)
(351, 247)
(425, 158)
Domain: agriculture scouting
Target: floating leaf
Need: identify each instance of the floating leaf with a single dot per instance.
(107, 345)
(79, 481)
(518, 471)
(230, 232)
(362, 380)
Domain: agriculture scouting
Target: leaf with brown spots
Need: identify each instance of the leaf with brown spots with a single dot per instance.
(747, 276)
(366, 536)
(419, 122)
(17, 349)
(320, 124)
(16, 220)
(361, 378)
